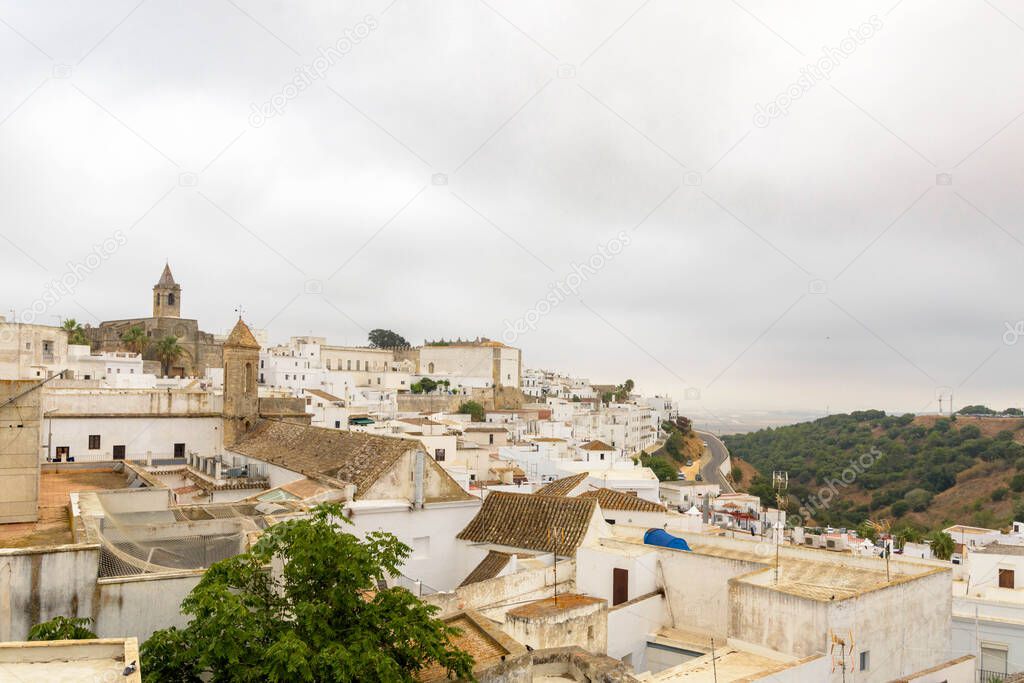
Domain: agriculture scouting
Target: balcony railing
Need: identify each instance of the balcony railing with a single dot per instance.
(991, 676)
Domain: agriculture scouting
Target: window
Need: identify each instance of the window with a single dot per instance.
(170, 299)
(118, 452)
(94, 442)
(63, 453)
(1006, 578)
(490, 438)
(179, 450)
(865, 660)
(349, 366)
(993, 658)
(249, 382)
(439, 454)
(337, 424)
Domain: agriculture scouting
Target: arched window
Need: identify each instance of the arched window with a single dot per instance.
(170, 299)
(248, 379)
(430, 368)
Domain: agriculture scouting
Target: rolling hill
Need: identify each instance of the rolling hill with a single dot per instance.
(921, 471)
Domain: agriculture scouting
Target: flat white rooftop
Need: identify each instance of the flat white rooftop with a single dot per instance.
(103, 659)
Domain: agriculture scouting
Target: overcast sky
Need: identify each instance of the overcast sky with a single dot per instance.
(770, 205)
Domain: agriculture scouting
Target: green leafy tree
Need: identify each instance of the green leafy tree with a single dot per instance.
(1017, 412)
(976, 410)
(134, 339)
(1018, 511)
(662, 468)
(62, 628)
(386, 339)
(999, 494)
(941, 544)
(737, 475)
(167, 351)
(324, 617)
(76, 335)
(473, 409)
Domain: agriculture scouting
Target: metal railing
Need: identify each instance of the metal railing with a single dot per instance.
(992, 676)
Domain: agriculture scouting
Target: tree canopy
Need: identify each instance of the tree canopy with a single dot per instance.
(167, 351)
(134, 339)
(323, 617)
(886, 464)
(473, 409)
(62, 628)
(386, 339)
(76, 334)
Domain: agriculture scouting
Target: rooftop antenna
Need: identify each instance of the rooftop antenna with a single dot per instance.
(780, 482)
(240, 311)
(883, 527)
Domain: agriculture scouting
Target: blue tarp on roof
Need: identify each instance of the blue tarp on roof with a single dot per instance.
(665, 539)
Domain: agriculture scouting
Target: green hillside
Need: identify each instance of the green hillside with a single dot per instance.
(925, 471)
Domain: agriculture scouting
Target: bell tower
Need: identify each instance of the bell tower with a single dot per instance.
(241, 397)
(166, 296)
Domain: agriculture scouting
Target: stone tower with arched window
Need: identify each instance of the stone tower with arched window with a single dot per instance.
(241, 398)
(166, 296)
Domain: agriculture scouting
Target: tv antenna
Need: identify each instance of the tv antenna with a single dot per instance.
(883, 527)
(780, 482)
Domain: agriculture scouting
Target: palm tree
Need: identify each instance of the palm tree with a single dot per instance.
(76, 335)
(134, 339)
(942, 545)
(168, 351)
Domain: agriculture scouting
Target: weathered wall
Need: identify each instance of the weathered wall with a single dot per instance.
(96, 401)
(906, 627)
(697, 588)
(19, 448)
(585, 627)
(630, 624)
(492, 598)
(37, 584)
(138, 605)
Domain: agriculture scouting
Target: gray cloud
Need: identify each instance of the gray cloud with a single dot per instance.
(815, 261)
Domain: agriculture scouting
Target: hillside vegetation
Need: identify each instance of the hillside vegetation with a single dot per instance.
(922, 471)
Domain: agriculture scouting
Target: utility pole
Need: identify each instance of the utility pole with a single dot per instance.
(780, 482)
(714, 665)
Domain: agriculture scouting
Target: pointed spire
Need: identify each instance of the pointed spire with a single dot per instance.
(241, 337)
(166, 280)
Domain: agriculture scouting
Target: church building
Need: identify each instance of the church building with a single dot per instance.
(200, 351)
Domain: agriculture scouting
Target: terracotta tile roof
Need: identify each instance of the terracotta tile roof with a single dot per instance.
(353, 457)
(486, 428)
(531, 521)
(324, 395)
(597, 446)
(563, 486)
(491, 566)
(610, 499)
(481, 638)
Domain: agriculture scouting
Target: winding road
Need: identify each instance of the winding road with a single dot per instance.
(710, 469)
